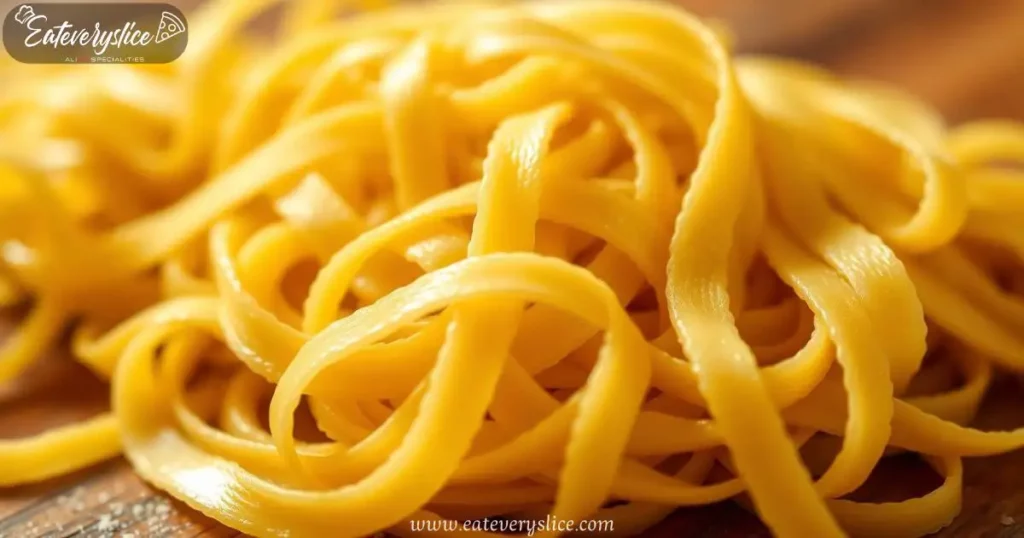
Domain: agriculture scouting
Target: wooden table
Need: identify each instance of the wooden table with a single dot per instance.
(966, 56)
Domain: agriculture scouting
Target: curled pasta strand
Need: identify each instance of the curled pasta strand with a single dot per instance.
(514, 260)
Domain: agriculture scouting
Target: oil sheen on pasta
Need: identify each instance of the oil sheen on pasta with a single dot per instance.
(517, 259)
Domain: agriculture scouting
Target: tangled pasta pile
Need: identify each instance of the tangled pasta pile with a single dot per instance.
(566, 258)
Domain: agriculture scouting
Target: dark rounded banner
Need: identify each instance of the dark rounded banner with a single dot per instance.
(124, 33)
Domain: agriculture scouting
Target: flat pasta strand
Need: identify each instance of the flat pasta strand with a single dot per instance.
(544, 261)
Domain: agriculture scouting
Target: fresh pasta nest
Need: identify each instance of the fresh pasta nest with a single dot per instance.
(563, 257)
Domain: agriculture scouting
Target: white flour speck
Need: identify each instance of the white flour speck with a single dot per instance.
(106, 524)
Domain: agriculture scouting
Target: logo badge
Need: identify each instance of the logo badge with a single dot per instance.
(43, 33)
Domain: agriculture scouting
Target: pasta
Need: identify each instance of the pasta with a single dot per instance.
(508, 259)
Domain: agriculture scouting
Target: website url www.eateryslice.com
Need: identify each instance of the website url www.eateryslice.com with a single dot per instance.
(522, 526)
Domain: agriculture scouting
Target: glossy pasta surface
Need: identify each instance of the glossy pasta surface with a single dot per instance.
(457, 260)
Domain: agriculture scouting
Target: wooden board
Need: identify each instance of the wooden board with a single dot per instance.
(965, 56)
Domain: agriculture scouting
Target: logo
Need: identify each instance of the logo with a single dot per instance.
(43, 33)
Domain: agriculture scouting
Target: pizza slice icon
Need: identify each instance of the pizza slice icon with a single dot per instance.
(170, 26)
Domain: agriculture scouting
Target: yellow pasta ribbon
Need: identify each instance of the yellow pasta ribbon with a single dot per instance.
(565, 259)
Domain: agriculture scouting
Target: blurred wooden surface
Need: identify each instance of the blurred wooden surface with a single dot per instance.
(965, 56)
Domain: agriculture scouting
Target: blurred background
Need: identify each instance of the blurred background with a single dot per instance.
(964, 56)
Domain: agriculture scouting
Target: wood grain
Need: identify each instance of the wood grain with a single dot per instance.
(107, 500)
(965, 56)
